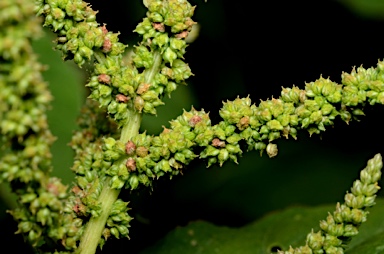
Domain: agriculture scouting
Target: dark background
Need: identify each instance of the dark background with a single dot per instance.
(252, 50)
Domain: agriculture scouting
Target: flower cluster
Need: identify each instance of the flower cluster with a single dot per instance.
(118, 222)
(108, 158)
(338, 228)
(25, 145)
(247, 125)
(157, 66)
(90, 166)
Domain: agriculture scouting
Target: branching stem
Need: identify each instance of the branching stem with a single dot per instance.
(108, 196)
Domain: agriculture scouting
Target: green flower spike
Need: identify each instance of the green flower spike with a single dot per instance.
(340, 226)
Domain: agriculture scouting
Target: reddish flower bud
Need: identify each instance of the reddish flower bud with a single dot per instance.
(194, 120)
(131, 164)
(218, 143)
(104, 78)
(107, 45)
(130, 147)
(158, 26)
(122, 98)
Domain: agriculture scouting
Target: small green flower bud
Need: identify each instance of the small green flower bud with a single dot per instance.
(354, 201)
(326, 109)
(28, 197)
(370, 190)
(274, 125)
(143, 179)
(316, 117)
(369, 201)
(155, 17)
(78, 59)
(331, 240)
(260, 146)
(209, 151)
(336, 230)
(24, 227)
(177, 44)
(169, 55)
(223, 156)
(350, 230)
(161, 40)
(358, 216)
(211, 161)
(233, 149)
(115, 232)
(273, 135)
(44, 216)
(349, 79)
(315, 240)
(133, 181)
(234, 138)
(123, 230)
(116, 183)
(357, 188)
(358, 112)
(86, 52)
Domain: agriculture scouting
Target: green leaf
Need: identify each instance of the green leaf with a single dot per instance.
(66, 83)
(367, 8)
(275, 231)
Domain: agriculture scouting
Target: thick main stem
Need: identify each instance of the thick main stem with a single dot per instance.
(108, 196)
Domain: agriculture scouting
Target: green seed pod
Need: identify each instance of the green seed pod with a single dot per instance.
(284, 119)
(350, 230)
(209, 151)
(233, 149)
(115, 232)
(116, 183)
(315, 240)
(326, 109)
(161, 40)
(234, 138)
(273, 135)
(25, 227)
(85, 52)
(133, 182)
(177, 44)
(44, 216)
(169, 56)
(222, 156)
(155, 17)
(264, 129)
(354, 201)
(274, 125)
(260, 146)
(264, 115)
(78, 59)
(316, 117)
(330, 243)
(143, 179)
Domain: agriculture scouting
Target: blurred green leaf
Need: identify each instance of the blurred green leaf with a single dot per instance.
(66, 83)
(373, 9)
(278, 230)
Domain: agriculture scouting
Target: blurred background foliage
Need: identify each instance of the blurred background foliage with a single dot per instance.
(241, 50)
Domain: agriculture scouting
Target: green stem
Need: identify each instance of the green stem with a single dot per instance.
(108, 196)
(150, 73)
(95, 226)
